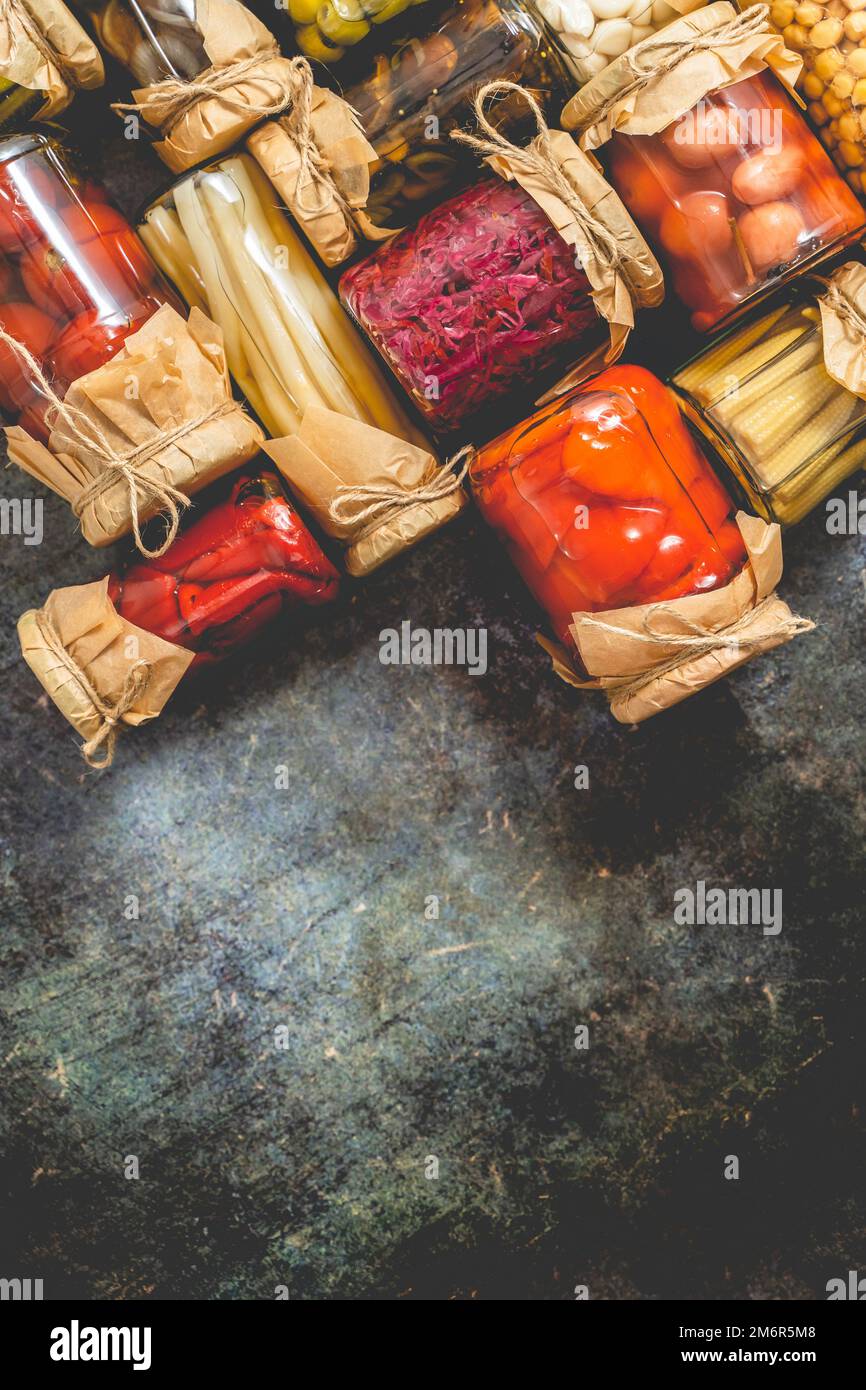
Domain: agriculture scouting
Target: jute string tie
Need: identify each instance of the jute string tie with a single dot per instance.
(654, 57)
(537, 160)
(127, 467)
(17, 9)
(374, 503)
(134, 685)
(697, 641)
(845, 309)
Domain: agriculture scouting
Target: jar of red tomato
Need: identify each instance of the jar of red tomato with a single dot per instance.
(713, 160)
(604, 500)
(75, 280)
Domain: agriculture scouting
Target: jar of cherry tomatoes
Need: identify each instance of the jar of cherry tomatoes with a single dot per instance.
(75, 280)
(603, 500)
(732, 189)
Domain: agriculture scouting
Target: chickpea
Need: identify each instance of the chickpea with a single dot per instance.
(808, 14)
(813, 87)
(825, 34)
(795, 37)
(849, 127)
(852, 154)
(832, 105)
(862, 119)
(842, 85)
(817, 112)
(855, 26)
(854, 4)
(858, 96)
(828, 63)
(856, 62)
(782, 13)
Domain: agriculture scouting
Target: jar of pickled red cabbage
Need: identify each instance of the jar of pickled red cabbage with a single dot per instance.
(412, 95)
(220, 237)
(480, 301)
(735, 194)
(604, 500)
(75, 279)
(781, 398)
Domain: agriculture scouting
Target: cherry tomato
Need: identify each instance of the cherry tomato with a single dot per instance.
(51, 282)
(7, 277)
(35, 330)
(89, 341)
(33, 420)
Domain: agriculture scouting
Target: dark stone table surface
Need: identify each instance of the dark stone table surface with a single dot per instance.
(299, 914)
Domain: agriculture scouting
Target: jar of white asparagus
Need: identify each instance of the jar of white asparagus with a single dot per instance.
(591, 33)
(782, 398)
(219, 235)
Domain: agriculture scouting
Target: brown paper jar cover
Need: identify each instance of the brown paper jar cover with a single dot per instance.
(633, 95)
(331, 451)
(103, 646)
(168, 376)
(44, 49)
(643, 677)
(843, 327)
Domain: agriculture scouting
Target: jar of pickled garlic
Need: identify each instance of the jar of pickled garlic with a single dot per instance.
(75, 280)
(591, 33)
(831, 39)
(782, 398)
(413, 94)
(604, 500)
(222, 240)
(735, 193)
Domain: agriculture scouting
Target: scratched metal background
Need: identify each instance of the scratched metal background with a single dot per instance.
(452, 1038)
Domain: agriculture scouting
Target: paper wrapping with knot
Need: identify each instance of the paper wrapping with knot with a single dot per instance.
(98, 642)
(843, 327)
(331, 451)
(615, 659)
(212, 124)
(167, 373)
(63, 61)
(347, 154)
(605, 105)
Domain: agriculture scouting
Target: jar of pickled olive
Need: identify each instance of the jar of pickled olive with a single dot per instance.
(329, 29)
(603, 500)
(736, 194)
(18, 105)
(244, 561)
(415, 93)
(591, 33)
(153, 39)
(75, 281)
(478, 301)
(45, 58)
(777, 401)
(220, 237)
(831, 40)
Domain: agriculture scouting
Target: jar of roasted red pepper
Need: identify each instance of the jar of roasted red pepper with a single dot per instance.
(724, 175)
(74, 277)
(475, 305)
(603, 500)
(242, 563)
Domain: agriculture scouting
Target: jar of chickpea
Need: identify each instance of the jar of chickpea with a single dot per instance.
(831, 39)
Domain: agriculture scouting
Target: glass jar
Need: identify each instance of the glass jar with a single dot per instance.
(764, 399)
(604, 500)
(153, 39)
(74, 278)
(591, 33)
(737, 195)
(415, 93)
(219, 236)
(18, 105)
(831, 40)
(242, 563)
(478, 301)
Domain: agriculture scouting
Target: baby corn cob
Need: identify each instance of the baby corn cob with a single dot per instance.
(762, 429)
(710, 366)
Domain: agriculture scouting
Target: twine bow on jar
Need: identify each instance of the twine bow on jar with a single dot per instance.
(11, 10)
(369, 504)
(110, 715)
(128, 466)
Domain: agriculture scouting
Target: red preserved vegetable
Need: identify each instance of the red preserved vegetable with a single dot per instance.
(481, 297)
(245, 561)
(75, 277)
(603, 500)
